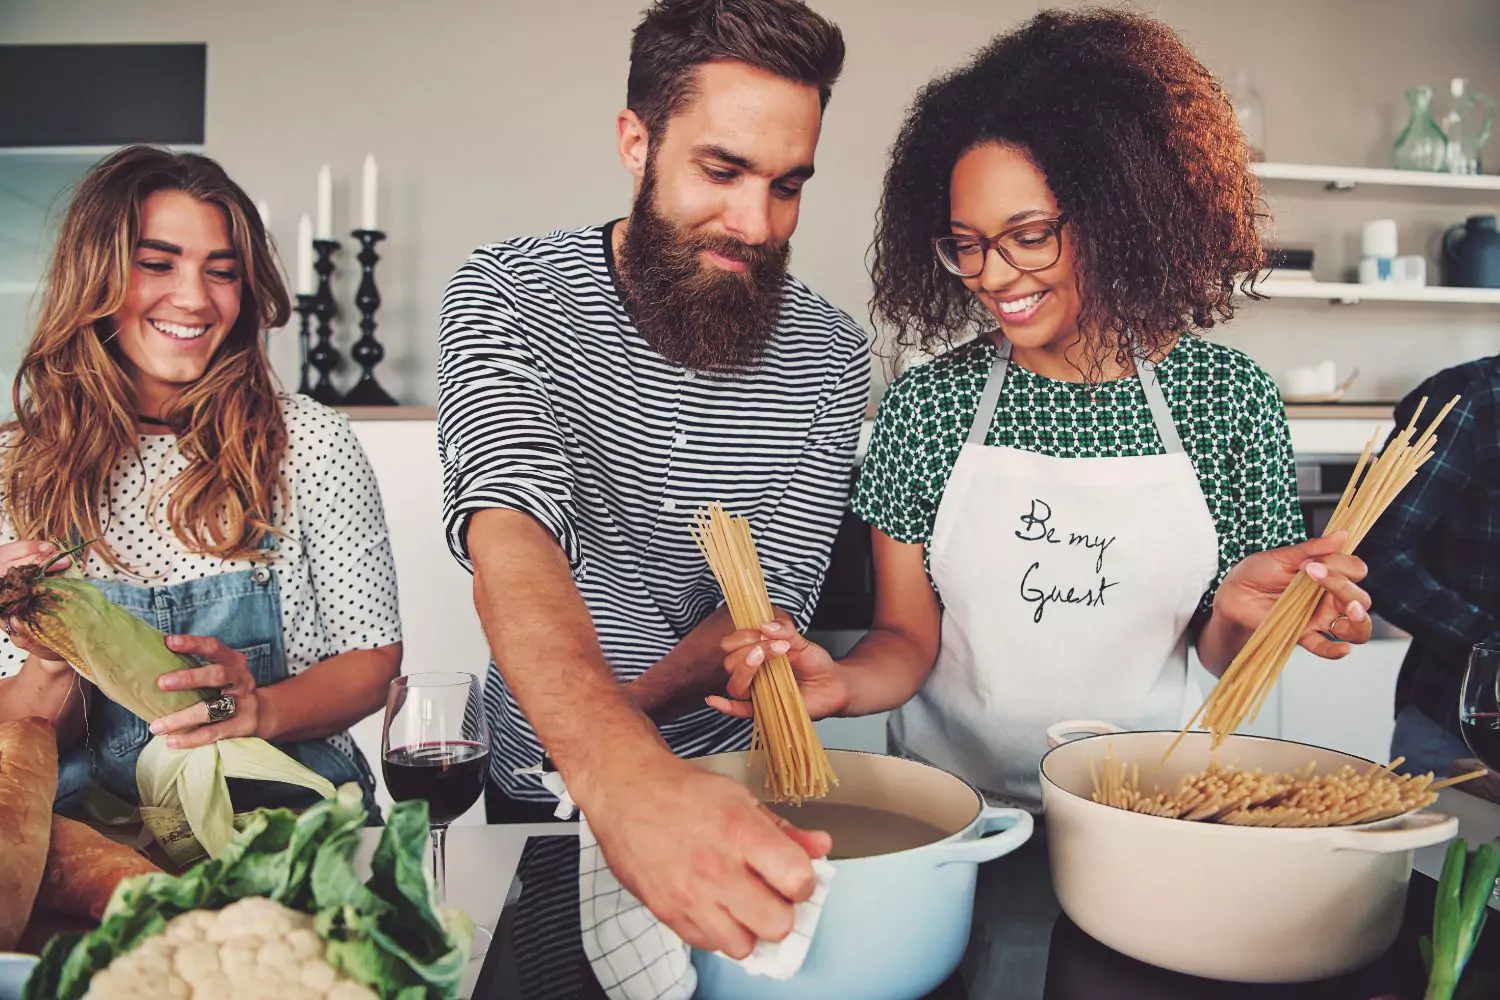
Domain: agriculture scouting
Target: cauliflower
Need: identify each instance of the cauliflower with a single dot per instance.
(252, 949)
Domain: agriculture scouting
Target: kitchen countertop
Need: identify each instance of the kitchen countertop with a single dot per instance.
(1020, 948)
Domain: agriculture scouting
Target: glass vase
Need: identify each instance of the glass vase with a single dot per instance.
(1421, 145)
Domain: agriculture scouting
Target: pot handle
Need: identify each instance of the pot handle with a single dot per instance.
(1012, 828)
(1457, 229)
(1062, 732)
(1420, 829)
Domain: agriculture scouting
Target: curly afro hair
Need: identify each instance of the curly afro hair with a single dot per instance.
(1139, 146)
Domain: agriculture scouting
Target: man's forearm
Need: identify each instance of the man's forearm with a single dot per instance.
(543, 642)
(694, 669)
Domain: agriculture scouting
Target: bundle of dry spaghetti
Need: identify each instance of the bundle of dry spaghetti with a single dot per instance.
(1257, 798)
(797, 767)
(1247, 682)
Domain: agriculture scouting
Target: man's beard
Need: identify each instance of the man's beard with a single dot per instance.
(696, 315)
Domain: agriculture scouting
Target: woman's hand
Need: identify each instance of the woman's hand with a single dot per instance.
(21, 554)
(1251, 588)
(225, 671)
(818, 675)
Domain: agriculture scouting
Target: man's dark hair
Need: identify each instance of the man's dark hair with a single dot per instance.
(675, 37)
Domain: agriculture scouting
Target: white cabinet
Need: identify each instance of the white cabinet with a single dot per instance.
(1343, 704)
(438, 621)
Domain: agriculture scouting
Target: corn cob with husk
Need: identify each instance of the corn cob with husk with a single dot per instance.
(184, 794)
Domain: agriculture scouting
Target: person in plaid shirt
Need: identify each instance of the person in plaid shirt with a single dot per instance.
(1434, 562)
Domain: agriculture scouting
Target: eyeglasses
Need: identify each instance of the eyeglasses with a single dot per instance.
(1031, 246)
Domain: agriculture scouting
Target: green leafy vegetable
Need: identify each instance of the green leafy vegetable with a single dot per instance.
(1459, 915)
(387, 933)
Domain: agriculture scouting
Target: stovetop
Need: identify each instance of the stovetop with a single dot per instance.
(1021, 947)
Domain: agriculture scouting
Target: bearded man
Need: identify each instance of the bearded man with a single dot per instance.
(597, 388)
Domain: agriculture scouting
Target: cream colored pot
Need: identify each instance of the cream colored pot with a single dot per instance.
(1232, 903)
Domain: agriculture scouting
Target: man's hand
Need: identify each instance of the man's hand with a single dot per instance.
(708, 859)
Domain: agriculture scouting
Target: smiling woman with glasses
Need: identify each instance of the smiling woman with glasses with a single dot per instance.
(1083, 487)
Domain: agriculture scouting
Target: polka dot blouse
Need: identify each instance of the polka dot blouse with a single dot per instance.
(335, 570)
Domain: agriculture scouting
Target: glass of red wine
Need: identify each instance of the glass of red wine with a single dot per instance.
(435, 746)
(1479, 710)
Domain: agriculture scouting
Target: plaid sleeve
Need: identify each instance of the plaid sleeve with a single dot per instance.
(1405, 592)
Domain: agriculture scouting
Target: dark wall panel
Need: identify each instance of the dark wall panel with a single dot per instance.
(102, 95)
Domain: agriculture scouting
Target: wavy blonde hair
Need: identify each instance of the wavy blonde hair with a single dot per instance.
(75, 405)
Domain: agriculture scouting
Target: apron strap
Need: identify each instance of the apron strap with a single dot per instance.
(990, 398)
(1156, 400)
(1145, 370)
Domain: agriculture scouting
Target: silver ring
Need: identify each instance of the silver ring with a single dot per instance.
(1329, 633)
(222, 708)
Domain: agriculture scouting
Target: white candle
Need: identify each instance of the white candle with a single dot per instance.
(264, 211)
(325, 204)
(305, 282)
(367, 214)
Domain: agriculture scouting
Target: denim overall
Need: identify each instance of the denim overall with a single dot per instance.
(242, 609)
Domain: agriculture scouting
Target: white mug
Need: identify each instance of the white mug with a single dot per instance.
(1378, 239)
(1409, 270)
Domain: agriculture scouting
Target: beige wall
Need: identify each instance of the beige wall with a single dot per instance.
(495, 119)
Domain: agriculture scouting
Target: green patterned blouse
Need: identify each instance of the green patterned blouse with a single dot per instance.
(1226, 409)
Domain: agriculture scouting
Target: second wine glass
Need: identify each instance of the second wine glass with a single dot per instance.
(435, 746)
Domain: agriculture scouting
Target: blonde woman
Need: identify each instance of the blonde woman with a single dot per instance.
(243, 522)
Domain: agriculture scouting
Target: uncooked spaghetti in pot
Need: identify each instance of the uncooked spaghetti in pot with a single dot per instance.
(1235, 797)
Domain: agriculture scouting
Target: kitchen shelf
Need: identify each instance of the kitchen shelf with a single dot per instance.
(1350, 292)
(1348, 178)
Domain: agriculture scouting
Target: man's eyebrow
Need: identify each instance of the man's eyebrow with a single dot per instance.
(729, 156)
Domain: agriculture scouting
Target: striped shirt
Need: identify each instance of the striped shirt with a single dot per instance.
(551, 402)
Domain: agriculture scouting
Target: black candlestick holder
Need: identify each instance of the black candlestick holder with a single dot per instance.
(367, 352)
(306, 304)
(324, 356)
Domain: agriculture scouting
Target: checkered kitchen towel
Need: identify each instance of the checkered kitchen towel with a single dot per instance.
(634, 955)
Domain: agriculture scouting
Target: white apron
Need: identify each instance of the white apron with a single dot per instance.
(1068, 585)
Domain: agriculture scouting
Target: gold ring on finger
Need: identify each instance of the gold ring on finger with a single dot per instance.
(1331, 633)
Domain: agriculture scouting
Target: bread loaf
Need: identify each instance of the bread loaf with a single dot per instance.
(83, 868)
(28, 784)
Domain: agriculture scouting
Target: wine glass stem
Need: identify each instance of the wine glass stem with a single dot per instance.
(440, 862)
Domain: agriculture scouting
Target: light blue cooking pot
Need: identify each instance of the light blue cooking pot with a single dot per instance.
(14, 971)
(894, 925)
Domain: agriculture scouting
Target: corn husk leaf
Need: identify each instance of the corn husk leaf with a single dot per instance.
(185, 798)
(184, 793)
